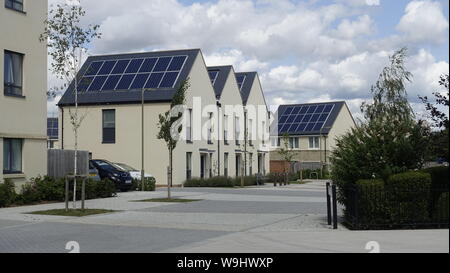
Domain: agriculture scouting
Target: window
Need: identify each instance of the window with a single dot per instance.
(250, 132)
(13, 63)
(188, 166)
(250, 159)
(293, 143)
(275, 142)
(12, 155)
(225, 164)
(189, 126)
(109, 126)
(210, 128)
(314, 142)
(14, 4)
(225, 129)
(237, 130)
(264, 133)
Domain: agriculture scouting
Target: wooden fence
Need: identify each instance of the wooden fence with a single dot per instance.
(61, 163)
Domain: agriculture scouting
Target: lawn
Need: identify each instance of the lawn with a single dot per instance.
(72, 212)
(167, 200)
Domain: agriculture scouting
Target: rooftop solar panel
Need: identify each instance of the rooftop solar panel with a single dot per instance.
(240, 80)
(213, 76)
(127, 74)
(302, 119)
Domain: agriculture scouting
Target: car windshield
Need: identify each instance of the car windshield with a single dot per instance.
(107, 165)
(125, 167)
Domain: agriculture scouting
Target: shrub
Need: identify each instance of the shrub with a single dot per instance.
(372, 206)
(105, 189)
(49, 189)
(248, 181)
(7, 193)
(29, 194)
(440, 213)
(219, 181)
(149, 184)
(409, 194)
(439, 177)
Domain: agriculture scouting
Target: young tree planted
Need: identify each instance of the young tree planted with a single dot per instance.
(287, 153)
(68, 42)
(170, 126)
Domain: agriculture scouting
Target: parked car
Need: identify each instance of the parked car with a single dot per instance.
(135, 173)
(93, 172)
(108, 170)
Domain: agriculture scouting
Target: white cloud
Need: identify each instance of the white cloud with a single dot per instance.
(351, 29)
(424, 21)
(361, 2)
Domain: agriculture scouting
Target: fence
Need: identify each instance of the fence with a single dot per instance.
(61, 163)
(371, 207)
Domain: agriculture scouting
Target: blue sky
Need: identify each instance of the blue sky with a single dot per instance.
(304, 51)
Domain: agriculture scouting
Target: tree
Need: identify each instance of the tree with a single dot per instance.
(287, 153)
(68, 41)
(440, 118)
(170, 127)
(389, 140)
(439, 138)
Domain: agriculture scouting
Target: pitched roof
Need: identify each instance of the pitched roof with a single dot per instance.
(219, 76)
(306, 119)
(247, 79)
(103, 80)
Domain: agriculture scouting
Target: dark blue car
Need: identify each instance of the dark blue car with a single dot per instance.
(107, 170)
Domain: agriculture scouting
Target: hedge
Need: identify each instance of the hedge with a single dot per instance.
(372, 204)
(439, 177)
(149, 184)
(409, 197)
(47, 189)
(221, 182)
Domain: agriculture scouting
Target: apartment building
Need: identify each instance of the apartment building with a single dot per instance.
(312, 130)
(111, 91)
(23, 108)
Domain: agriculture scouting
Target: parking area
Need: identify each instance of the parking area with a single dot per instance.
(256, 219)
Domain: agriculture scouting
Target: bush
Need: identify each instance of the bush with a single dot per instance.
(440, 213)
(7, 193)
(248, 181)
(149, 184)
(439, 177)
(372, 205)
(218, 181)
(409, 195)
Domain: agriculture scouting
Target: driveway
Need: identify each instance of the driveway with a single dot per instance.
(255, 219)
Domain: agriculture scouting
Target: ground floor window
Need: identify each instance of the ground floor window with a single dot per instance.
(12, 155)
(188, 166)
(225, 164)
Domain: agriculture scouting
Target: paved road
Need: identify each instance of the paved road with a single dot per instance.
(260, 219)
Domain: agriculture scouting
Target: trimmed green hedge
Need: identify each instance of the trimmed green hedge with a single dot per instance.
(440, 213)
(372, 204)
(220, 182)
(47, 189)
(439, 177)
(149, 184)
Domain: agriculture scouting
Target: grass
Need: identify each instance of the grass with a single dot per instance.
(72, 212)
(167, 200)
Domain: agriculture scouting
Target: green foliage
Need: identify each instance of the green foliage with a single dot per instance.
(48, 189)
(221, 182)
(372, 204)
(409, 195)
(389, 141)
(149, 184)
(439, 177)
(440, 213)
(7, 193)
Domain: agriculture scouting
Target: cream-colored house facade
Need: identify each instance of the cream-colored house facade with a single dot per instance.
(23, 73)
(312, 130)
(111, 101)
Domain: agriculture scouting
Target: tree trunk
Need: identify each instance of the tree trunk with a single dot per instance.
(169, 178)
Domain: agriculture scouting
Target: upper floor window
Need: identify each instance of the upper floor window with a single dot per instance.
(189, 126)
(237, 130)
(13, 63)
(314, 142)
(250, 132)
(210, 128)
(109, 126)
(293, 143)
(12, 155)
(225, 129)
(14, 4)
(275, 142)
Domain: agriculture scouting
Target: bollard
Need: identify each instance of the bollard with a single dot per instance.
(66, 199)
(335, 218)
(329, 203)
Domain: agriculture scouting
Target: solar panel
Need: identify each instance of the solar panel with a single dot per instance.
(240, 80)
(136, 73)
(213, 76)
(303, 118)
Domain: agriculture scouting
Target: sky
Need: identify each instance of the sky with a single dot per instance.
(304, 51)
